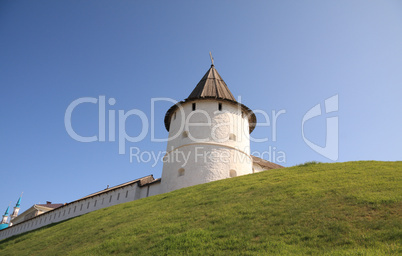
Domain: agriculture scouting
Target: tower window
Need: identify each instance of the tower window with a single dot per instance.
(232, 137)
(232, 173)
(220, 106)
(181, 172)
(174, 116)
(185, 134)
(193, 106)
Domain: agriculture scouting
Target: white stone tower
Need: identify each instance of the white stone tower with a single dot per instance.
(208, 136)
(16, 210)
(5, 217)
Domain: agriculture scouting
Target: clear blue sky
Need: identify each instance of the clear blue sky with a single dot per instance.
(276, 55)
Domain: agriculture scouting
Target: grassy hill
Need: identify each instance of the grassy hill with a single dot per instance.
(349, 208)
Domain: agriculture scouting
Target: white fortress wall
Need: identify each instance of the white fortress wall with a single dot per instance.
(82, 206)
(257, 168)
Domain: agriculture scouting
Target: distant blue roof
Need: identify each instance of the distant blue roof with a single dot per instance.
(3, 226)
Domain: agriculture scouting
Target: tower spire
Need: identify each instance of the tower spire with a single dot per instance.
(212, 59)
(212, 86)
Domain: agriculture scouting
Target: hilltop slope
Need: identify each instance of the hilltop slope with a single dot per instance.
(327, 209)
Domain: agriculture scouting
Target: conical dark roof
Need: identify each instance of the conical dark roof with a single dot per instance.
(211, 86)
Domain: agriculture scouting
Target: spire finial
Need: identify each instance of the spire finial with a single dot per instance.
(212, 59)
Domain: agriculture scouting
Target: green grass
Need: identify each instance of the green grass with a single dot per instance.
(349, 208)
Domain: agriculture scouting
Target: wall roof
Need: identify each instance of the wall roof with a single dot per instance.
(266, 165)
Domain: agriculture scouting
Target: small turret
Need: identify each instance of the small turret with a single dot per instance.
(3, 223)
(16, 209)
(5, 216)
